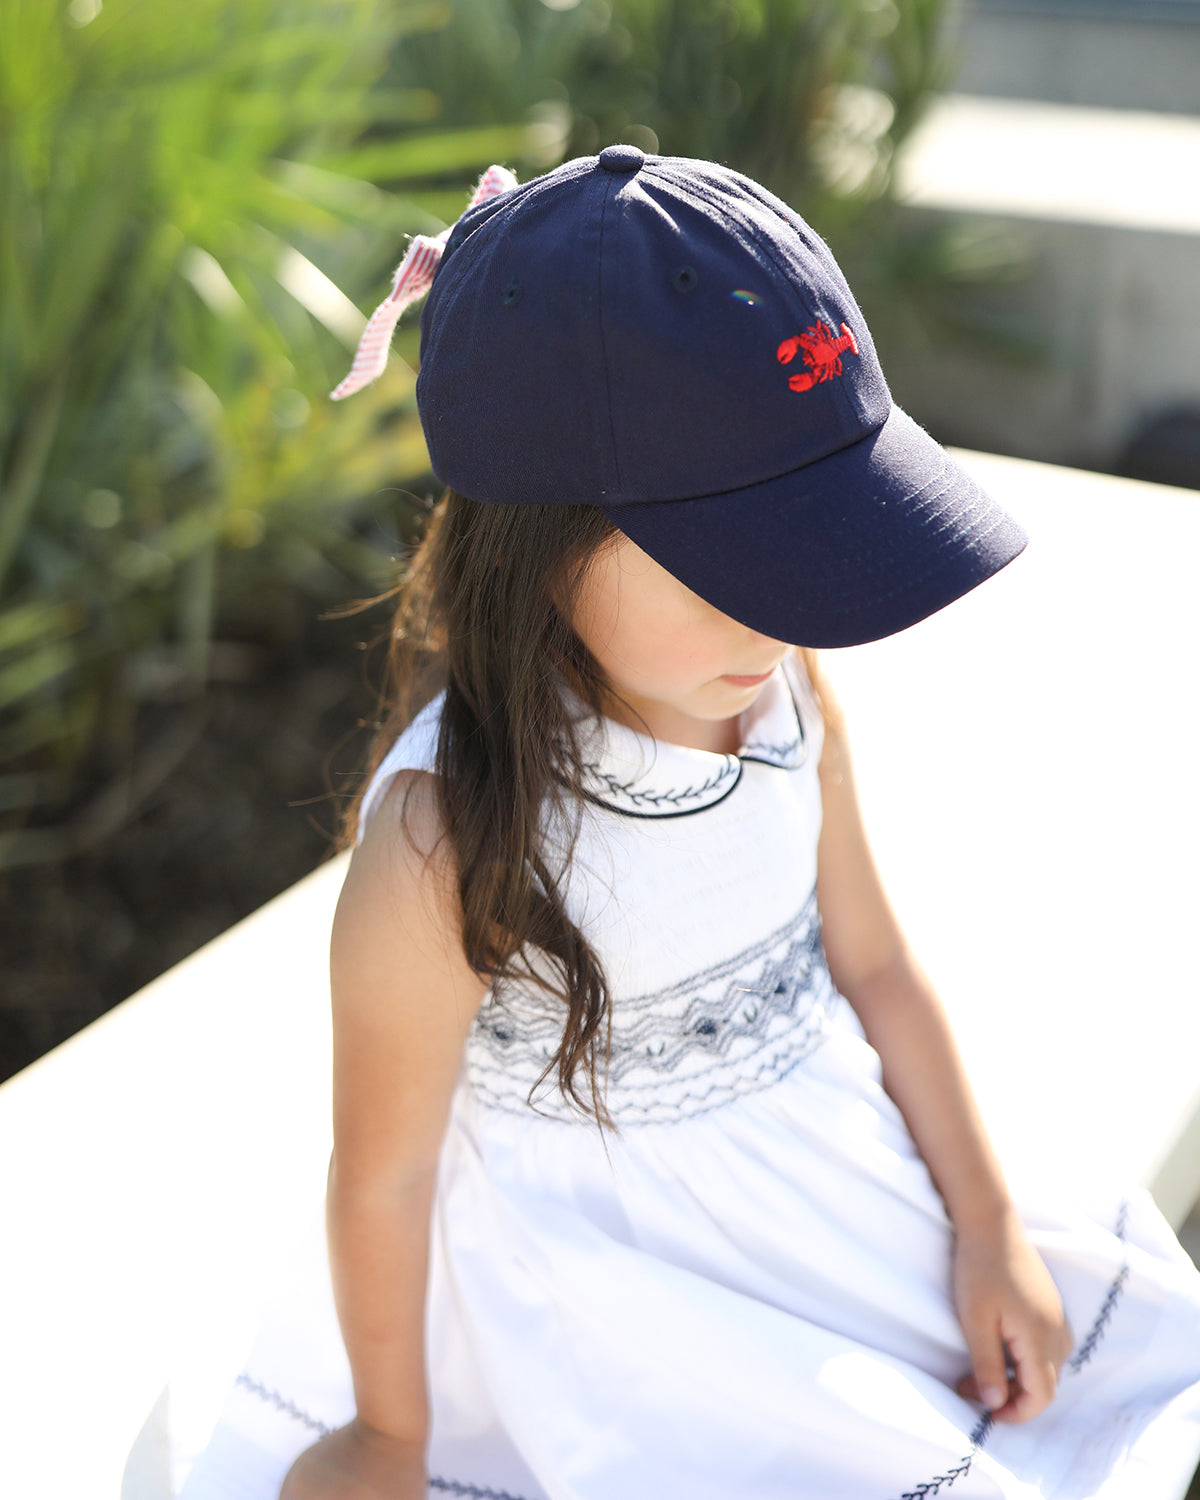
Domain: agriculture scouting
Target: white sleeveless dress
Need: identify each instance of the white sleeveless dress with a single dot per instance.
(746, 1296)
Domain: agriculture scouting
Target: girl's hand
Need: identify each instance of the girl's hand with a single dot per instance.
(1012, 1317)
(357, 1462)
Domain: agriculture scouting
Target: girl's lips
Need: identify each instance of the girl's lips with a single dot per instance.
(746, 681)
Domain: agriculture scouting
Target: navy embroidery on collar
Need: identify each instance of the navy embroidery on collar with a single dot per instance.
(775, 755)
(631, 773)
(657, 800)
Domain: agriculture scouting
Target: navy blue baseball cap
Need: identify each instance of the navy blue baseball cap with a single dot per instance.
(665, 339)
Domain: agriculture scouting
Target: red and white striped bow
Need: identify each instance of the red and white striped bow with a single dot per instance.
(413, 278)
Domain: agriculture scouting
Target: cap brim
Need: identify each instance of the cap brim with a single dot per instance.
(849, 549)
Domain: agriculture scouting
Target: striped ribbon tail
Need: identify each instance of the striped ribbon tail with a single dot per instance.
(413, 278)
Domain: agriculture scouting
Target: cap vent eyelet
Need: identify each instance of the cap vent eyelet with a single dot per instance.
(685, 279)
(511, 294)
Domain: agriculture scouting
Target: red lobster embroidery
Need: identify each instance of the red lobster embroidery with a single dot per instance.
(822, 354)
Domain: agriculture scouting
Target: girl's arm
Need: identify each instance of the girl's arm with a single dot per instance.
(1005, 1297)
(404, 998)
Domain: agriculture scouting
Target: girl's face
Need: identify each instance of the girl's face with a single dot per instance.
(668, 652)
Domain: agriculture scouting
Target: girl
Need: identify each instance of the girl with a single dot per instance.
(656, 1172)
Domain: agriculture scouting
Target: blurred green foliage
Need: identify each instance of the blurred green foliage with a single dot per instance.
(189, 197)
(183, 189)
(810, 97)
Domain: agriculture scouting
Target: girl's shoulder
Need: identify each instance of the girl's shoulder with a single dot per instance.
(415, 749)
(402, 888)
(399, 1028)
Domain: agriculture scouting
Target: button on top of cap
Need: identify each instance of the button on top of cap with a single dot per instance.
(622, 158)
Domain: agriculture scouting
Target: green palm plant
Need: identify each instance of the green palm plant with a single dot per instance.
(182, 194)
(183, 190)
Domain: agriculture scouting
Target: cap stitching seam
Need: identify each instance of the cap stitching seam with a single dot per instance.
(733, 211)
(942, 544)
(600, 310)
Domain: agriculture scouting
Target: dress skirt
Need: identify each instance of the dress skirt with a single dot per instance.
(745, 1293)
(754, 1302)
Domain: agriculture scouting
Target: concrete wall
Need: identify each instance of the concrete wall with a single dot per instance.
(1114, 315)
(1102, 206)
(1079, 54)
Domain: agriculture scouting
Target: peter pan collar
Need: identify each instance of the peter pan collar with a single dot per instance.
(635, 774)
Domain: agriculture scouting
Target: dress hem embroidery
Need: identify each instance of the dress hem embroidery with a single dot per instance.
(1074, 1365)
(922, 1491)
(288, 1408)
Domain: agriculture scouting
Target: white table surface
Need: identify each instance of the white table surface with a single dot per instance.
(1028, 768)
(1027, 765)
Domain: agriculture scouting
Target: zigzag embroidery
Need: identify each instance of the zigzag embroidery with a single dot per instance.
(672, 1050)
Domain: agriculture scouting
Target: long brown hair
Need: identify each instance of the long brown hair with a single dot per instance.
(483, 611)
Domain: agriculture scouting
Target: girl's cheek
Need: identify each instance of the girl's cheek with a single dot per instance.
(678, 639)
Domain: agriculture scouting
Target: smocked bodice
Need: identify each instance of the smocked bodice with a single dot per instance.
(693, 877)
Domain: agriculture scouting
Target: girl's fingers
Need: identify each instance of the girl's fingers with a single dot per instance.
(968, 1389)
(1012, 1321)
(989, 1370)
(1036, 1381)
(1029, 1403)
(1026, 1391)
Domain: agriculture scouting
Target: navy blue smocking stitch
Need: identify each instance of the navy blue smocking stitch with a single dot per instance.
(782, 978)
(711, 1024)
(769, 1072)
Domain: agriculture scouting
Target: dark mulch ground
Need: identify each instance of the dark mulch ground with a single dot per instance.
(232, 806)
